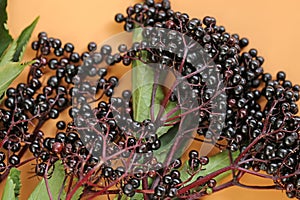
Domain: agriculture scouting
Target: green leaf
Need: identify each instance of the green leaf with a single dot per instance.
(15, 176)
(23, 40)
(216, 162)
(142, 85)
(137, 196)
(141, 101)
(12, 186)
(55, 183)
(167, 142)
(11, 51)
(10, 70)
(143, 80)
(78, 193)
(8, 54)
(164, 129)
(5, 38)
(123, 197)
(181, 134)
(8, 73)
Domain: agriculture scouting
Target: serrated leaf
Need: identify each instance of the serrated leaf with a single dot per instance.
(5, 38)
(9, 70)
(23, 40)
(8, 54)
(8, 73)
(8, 193)
(55, 183)
(15, 176)
(11, 50)
(12, 186)
(78, 193)
(216, 162)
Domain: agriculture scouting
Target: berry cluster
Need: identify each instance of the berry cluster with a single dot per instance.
(173, 35)
(267, 136)
(218, 92)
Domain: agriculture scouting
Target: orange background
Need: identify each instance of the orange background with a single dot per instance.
(272, 27)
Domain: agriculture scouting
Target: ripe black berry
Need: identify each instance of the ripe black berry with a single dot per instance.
(61, 125)
(92, 46)
(193, 154)
(14, 160)
(69, 47)
(128, 189)
(2, 156)
(2, 166)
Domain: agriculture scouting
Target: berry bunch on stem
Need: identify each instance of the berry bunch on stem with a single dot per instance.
(200, 85)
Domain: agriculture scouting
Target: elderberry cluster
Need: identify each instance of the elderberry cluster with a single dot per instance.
(218, 92)
(59, 80)
(46, 93)
(267, 136)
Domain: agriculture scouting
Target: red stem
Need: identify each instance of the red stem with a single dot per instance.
(145, 187)
(204, 180)
(46, 182)
(82, 181)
